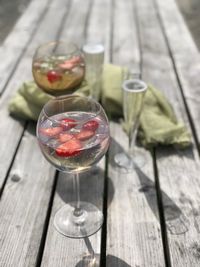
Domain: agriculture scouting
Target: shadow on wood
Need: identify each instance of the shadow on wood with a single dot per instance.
(93, 260)
(169, 151)
(111, 261)
(177, 223)
(92, 187)
(90, 259)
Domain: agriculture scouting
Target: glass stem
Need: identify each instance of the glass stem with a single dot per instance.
(77, 211)
(131, 141)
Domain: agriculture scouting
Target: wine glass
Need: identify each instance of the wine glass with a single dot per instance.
(58, 67)
(133, 97)
(73, 134)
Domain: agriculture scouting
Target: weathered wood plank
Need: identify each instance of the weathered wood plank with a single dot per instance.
(178, 170)
(75, 25)
(64, 251)
(135, 199)
(11, 128)
(185, 55)
(16, 42)
(190, 11)
(183, 41)
(99, 29)
(133, 234)
(15, 10)
(24, 204)
(71, 252)
(125, 50)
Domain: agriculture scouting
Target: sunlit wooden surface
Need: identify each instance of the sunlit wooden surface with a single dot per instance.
(152, 216)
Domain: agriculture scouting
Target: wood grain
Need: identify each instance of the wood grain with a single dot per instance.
(16, 42)
(125, 50)
(185, 56)
(60, 250)
(151, 38)
(99, 26)
(63, 251)
(133, 233)
(179, 195)
(27, 192)
(24, 204)
(12, 128)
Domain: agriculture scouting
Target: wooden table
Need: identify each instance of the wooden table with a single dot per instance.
(152, 215)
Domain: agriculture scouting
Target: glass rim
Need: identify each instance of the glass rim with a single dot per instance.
(62, 98)
(52, 43)
(142, 83)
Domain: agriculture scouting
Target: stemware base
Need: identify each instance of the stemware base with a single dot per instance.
(87, 223)
(130, 162)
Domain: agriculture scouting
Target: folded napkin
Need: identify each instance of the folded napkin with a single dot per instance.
(158, 123)
(28, 101)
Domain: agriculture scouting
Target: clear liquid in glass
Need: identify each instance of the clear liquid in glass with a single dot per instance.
(75, 146)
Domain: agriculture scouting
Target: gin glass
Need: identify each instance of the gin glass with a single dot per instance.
(73, 134)
(58, 67)
(133, 97)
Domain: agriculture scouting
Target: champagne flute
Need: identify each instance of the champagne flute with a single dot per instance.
(73, 134)
(133, 97)
(58, 67)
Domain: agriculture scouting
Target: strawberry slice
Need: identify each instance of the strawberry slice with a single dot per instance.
(91, 125)
(84, 135)
(53, 76)
(67, 65)
(70, 64)
(69, 149)
(64, 137)
(75, 59)
(68, 123)
(50, 131)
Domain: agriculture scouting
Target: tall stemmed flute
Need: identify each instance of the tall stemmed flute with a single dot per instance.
(133, 97)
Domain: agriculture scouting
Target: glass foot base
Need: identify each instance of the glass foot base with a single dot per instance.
(130, 162)
(88, 223)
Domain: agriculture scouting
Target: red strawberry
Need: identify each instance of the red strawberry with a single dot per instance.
(50, 131)
(91, 125)
(69, 149)
(84, 135)
(67, 65)
(67, 123)
(53, 76)
(64, 137)
(70, 63)
(75, 59)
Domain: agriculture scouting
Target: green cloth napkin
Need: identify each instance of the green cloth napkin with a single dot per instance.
(28, 101)
(158, 123)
